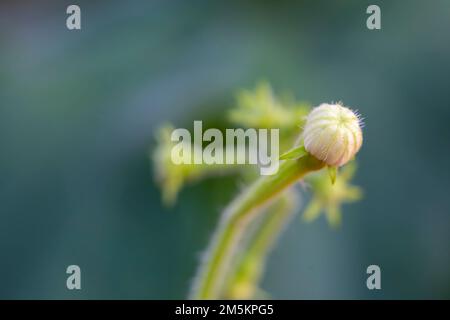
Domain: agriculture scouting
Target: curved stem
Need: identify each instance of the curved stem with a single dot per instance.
(243, 281)
(212, 273)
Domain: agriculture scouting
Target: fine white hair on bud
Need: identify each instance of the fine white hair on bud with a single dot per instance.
(332, 133)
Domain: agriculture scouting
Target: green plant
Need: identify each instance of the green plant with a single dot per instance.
(249, 226)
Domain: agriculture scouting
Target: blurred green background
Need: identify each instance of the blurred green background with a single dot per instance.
(79, 109)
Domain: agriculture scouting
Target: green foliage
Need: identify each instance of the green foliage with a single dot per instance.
(260, 108)
(328, 197)
(294, 153)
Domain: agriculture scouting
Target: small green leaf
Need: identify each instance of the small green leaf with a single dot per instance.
(312, 211)
(295, 153)
(334, 216)
(332, 171)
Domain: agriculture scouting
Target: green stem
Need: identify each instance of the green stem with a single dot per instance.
(243, 282)
(212, 273)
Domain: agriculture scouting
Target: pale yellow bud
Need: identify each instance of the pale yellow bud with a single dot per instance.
(332, 133)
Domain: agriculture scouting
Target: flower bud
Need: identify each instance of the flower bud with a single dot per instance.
(332, 133)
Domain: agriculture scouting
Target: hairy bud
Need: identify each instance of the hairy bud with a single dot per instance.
(332, 133)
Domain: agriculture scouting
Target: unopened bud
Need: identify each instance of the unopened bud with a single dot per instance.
(332, 133)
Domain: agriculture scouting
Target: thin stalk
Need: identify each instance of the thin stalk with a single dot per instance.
(243, 282)
(211, 276)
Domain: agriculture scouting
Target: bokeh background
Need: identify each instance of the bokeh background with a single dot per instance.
(79, 109)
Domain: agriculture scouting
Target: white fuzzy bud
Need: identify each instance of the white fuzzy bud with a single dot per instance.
(332, 133)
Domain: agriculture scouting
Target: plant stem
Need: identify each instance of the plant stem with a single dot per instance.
(210, 280)
(243, 282)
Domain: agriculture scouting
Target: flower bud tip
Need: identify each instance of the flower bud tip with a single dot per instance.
(332, 133)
